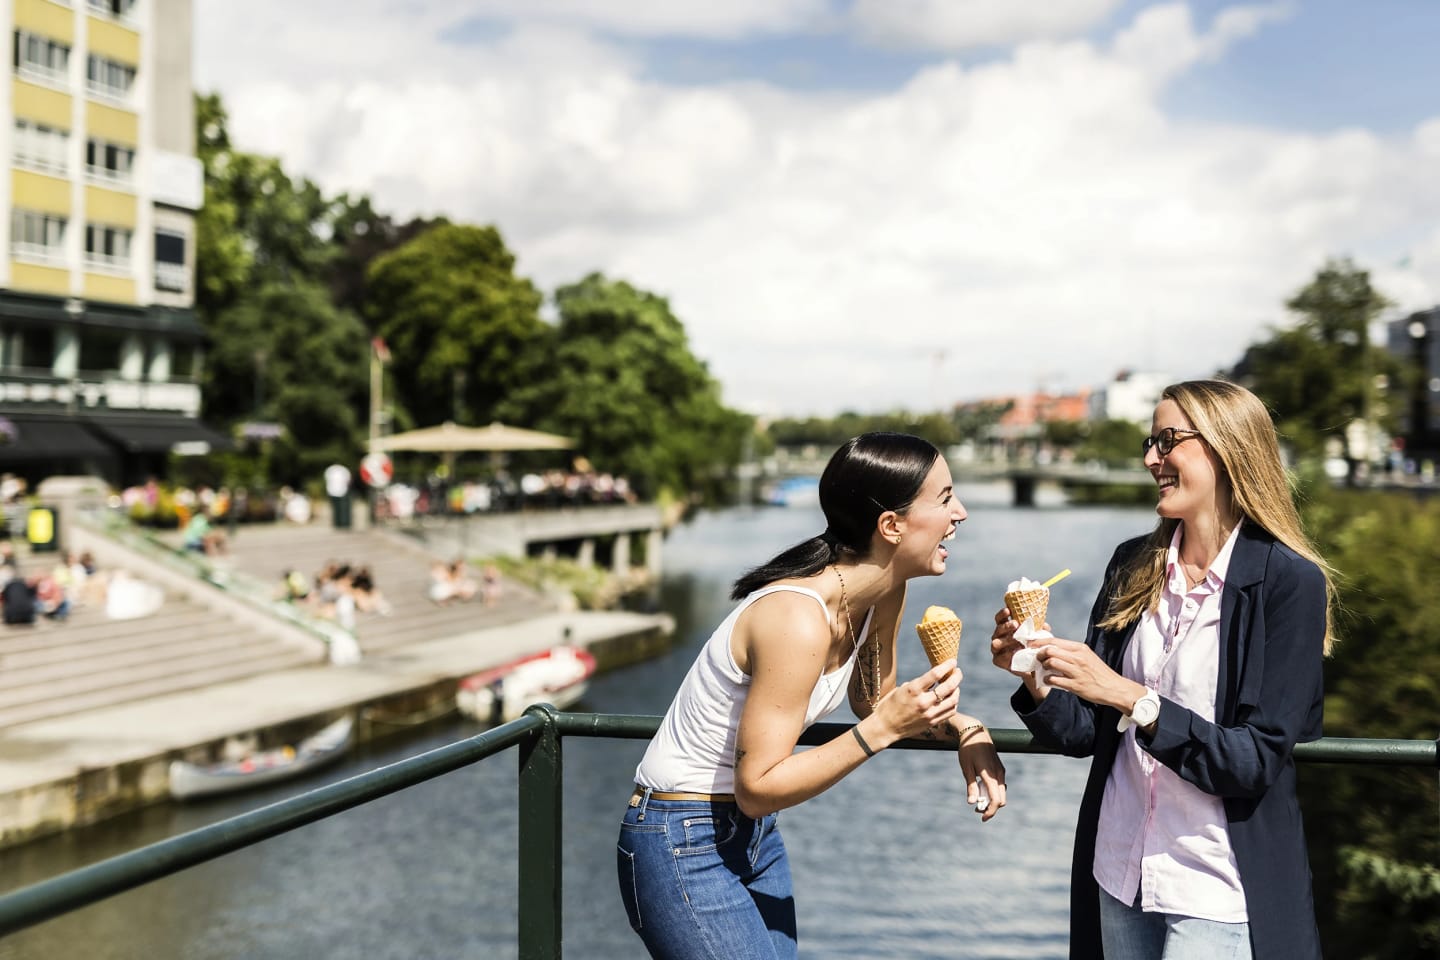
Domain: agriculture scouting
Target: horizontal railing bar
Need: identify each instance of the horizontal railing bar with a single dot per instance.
(1411, 753)
(51, 898)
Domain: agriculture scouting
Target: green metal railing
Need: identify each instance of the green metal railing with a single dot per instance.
(538, 735)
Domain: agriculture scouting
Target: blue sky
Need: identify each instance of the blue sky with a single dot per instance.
(894, 189)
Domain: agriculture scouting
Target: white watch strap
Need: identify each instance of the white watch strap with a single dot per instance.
(1126, 721)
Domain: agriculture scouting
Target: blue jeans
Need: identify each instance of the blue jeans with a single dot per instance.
(702, 881)
(1129, 933)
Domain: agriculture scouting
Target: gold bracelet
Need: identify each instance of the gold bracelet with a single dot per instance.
(970, 729)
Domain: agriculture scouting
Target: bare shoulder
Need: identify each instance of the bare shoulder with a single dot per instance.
(784, 623)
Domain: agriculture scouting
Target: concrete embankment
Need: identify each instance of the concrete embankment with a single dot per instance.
(80, 768)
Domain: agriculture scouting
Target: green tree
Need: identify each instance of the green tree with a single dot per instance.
(1320, 376)
(458, 321)
(359, 235)
(267, 246)
(285, 353)
(1374, 838)
(258, 225)
(618, 375)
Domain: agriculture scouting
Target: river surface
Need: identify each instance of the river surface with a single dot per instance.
(889, 863)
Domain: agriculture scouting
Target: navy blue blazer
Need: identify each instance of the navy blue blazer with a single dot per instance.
(1269, 696)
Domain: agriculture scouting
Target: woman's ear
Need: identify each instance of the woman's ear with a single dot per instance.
(891, 526)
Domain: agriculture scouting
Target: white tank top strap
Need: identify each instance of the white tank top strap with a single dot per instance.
(787, 588)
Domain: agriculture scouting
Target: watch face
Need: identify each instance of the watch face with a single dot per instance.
(1146, 711)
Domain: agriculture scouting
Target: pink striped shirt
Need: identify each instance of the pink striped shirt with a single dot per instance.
(1160, 836)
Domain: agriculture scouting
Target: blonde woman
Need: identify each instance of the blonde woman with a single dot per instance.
(1199, 673)
(703, 871)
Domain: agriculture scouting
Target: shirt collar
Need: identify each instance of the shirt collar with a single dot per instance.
(1218, 569)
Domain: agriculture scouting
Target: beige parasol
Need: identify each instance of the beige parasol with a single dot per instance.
(453, 438)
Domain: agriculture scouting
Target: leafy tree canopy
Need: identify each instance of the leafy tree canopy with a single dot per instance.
(457, 319)
(285, 353)
(618, 375)
(1322, 374)
(1373, 833)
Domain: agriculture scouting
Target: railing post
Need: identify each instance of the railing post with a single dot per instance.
(540, 813)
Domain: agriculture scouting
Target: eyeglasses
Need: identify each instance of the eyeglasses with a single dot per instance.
(1166, 440)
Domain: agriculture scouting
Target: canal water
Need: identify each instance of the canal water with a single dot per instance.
(889, 863)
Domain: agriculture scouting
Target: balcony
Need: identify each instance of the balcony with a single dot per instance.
(172, 277)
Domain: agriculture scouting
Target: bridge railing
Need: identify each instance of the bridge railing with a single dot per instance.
(538, 736)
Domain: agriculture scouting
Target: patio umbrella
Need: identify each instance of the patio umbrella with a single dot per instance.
(453, 438)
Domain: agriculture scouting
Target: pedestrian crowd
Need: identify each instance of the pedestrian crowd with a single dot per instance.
(338, 592)
(52, 594)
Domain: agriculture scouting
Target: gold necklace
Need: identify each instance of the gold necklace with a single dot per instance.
(869, 692)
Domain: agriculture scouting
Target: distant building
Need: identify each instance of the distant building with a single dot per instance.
(100, 350)
(1415, 341)
(1129, 396)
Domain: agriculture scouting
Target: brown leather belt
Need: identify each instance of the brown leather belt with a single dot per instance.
(639, 795)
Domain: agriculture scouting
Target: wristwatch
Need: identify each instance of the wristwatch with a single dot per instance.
(1145, 712)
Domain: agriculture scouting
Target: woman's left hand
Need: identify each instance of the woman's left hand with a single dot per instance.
(1075, 667)
(980, 763)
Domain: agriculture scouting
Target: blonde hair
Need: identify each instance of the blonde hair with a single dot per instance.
(1235, 425)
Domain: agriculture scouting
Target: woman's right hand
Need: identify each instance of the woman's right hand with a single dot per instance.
(1003, 645)
(915, 706)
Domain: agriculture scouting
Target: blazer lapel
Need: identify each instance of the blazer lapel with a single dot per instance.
(1242, 580)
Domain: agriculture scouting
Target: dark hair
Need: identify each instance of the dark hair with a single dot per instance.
(867, 476)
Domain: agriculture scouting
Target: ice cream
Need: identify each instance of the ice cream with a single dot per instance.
(939, 633)
(1028, 600)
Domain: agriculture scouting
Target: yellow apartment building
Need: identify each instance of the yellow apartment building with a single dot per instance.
(100, 350)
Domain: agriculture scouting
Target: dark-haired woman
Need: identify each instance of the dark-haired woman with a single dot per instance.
(1200, 672)
(702, 868)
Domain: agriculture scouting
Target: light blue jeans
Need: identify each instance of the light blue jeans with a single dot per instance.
(702, 881)
(1129, 933)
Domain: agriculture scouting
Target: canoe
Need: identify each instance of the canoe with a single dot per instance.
(559, 677)
(189, 780)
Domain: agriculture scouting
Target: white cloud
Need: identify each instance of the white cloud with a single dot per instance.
(964, 24)
(1039, 220)
(1162, 42)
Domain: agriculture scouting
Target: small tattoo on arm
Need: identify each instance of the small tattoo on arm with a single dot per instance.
(739, 755)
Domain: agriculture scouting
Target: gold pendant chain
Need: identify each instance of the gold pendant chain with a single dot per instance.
(868, 691)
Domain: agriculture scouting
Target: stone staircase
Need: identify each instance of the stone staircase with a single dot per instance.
(56, 668)
(400, 567)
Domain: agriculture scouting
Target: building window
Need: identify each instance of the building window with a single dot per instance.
(184, 361)
(107, 246)
(109, 78)
(119, 9)
(41, 147)
(101, 351)
(37, 349)
(170, 272)
(109, 162)
(37, 236)
(40, 58)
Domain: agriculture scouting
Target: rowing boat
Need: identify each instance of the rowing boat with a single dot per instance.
(190, 780)
(559, 677)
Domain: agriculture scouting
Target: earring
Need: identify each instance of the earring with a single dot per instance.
(897, 540)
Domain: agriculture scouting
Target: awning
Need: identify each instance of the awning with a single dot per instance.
(160, 434)
(29, 437)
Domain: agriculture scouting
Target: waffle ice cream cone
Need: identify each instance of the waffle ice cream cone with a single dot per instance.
(939, 632)
(1028, 604)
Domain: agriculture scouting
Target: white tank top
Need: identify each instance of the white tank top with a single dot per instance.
(694, 749)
